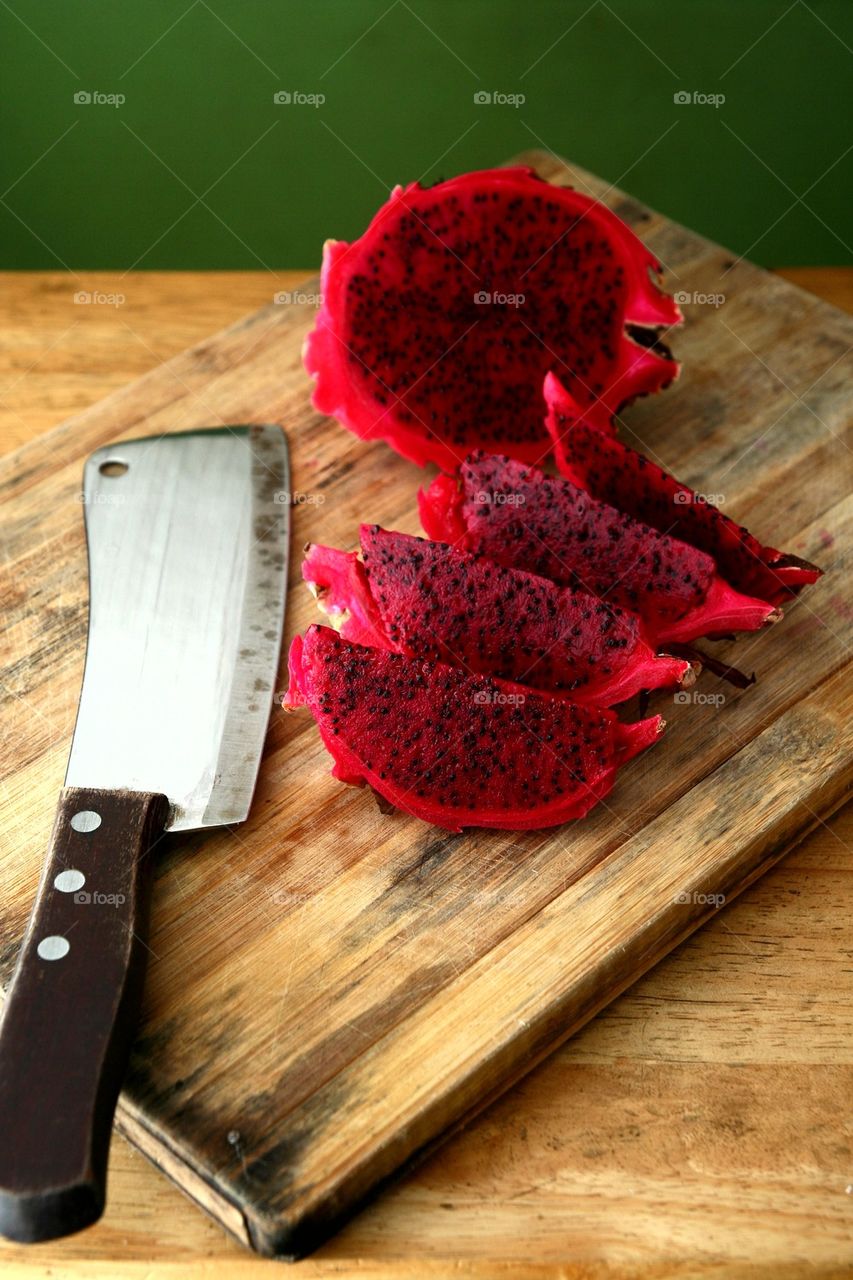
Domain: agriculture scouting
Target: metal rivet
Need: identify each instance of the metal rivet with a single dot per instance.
(54, 947)
(69, 881)
(86, 820)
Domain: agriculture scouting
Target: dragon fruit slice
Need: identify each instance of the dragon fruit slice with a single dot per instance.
(453, 749)
(429, 600)
(439, 323)
(615, 473)
(523, 518)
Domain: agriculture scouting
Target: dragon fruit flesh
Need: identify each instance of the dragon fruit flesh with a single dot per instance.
(430, 600)
(454, 749)
(520, 517)
(617, 474)
(439, 323)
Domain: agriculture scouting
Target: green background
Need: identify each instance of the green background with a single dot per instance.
(199, 168)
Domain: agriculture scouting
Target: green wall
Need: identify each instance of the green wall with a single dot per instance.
(764, 172)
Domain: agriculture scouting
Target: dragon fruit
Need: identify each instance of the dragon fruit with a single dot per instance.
(439, 323)
(521, 517)
(454, 749)
(429, 600)
(615, 473)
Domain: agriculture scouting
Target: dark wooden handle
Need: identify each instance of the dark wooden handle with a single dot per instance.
(70, 1015)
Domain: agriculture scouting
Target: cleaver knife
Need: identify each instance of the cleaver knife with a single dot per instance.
(187, 537)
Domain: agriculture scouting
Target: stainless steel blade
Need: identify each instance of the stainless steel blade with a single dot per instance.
(188, 537)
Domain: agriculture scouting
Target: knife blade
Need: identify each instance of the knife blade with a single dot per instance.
(187, 541)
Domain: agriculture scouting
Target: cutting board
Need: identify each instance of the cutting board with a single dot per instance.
(332, 989)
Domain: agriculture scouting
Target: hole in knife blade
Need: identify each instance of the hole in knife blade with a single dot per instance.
(112, 467)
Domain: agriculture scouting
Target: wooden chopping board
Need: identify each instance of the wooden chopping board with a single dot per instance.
(331, 989)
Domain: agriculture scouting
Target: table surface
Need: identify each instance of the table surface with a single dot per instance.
(699, 1125)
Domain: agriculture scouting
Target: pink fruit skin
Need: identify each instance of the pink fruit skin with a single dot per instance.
(402, 351)
(336, 681)
(338, 581)
(615, 473)
(416, 597)
(559, 531)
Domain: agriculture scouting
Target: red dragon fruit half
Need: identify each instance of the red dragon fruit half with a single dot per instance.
(439, 323)
(429, 600)
(520, 517)
(615, 473)
(453, 749)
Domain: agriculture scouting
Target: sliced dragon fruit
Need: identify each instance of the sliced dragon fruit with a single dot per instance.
(615, 473)
(439, 323)
(522, 518)
(430, 600)
(454, 749)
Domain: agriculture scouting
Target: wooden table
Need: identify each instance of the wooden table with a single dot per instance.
(700, 1125)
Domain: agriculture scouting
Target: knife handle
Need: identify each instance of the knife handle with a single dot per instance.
(71, 1011)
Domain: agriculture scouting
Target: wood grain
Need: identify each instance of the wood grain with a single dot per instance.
(59, 356)
(776, 706)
